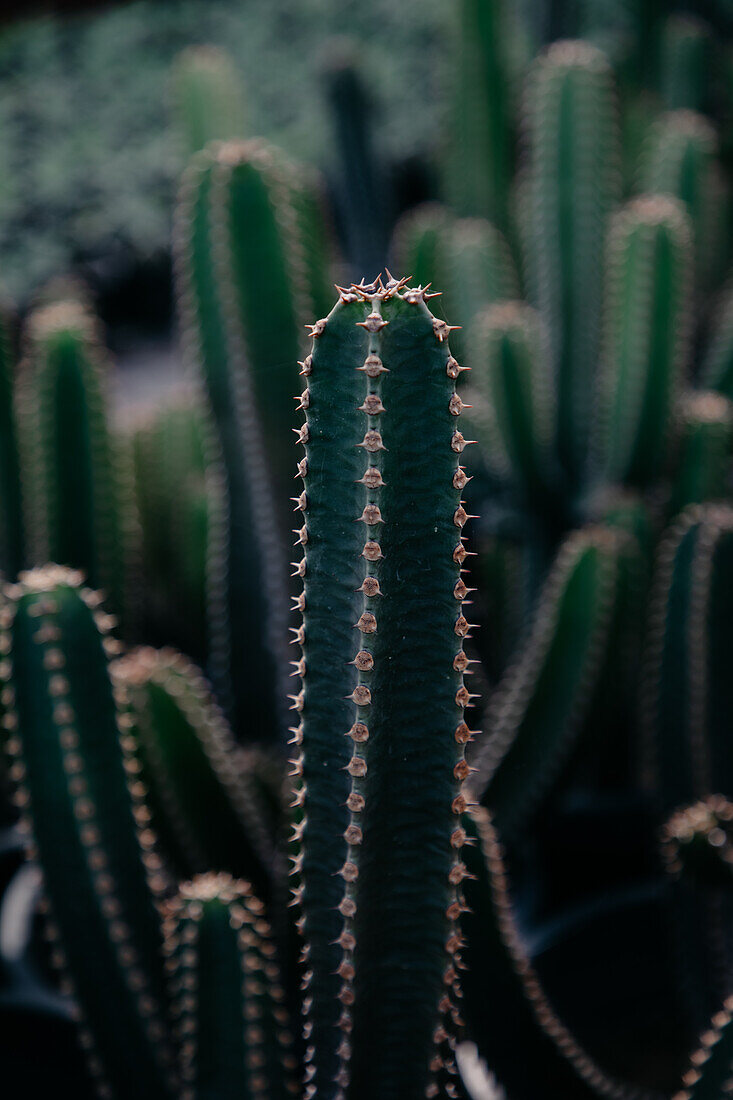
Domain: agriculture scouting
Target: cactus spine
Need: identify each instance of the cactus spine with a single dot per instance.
(90, 830)
(570, 186)
(374, 637)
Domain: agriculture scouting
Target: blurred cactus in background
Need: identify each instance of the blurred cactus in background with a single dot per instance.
(511, 511)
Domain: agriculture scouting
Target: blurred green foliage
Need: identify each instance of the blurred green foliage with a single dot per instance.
(89, 161)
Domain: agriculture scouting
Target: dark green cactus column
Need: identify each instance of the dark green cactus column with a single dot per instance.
(716, 370)
(571, 185)
(704, 459)
(91, 835)
(685, 57)
(228, 999)
(538, 707)
(72, 489)
(208, 99)
(382, 664)
(204, 811)
(646, 339)
(12, 526)
(478, 165)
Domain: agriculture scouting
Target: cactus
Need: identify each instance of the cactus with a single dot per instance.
(175, 503)
(696, 842)
(208, 98)
(570, 187)
(12, 530)
(646, 339)
(206, 814)
(681, 162)
(705, 449)
(709, 1074)
(716, 370)
(71, 479)
(685, 63)
(538, 706)
(90, 832)
(369, 655)
(228, 1000)
(480, 154)
(509, 356)
(467, 257)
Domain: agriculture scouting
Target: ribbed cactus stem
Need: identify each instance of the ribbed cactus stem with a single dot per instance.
(71, 487)
(646, 337)
(681, 161)
(685, 70)
(205, 812)
(208, 99)
(228, 999)
(510, 370)
(376, 632)
(704, 449)
(467, 257)
(79, 792)
(571, 185)
(479, 165)
(12, 525)
(536, 711)
(688, 696)
(716, 371)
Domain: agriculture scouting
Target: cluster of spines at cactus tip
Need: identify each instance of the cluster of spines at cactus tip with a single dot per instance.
(367, 625)
(266, 1038)
(40, 583)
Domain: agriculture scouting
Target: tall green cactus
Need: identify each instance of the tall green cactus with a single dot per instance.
(646, 337)
(479, 159)
(685, 56)
(240, 310)
(716, 370)
(12, 526)
(208, 99)
(537, 708)
(71, 479)
(571, 184)
(90, 828)
(681, 161)
(228, 1002)
(382, 664)
(206, 813)
(688, 696)
(704, 459)
(467, 257)
(510, 371)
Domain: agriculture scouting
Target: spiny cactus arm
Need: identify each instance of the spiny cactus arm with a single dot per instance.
(704, 449)
(505, 1005)
(90, 829)
(479, 165)
(696, 842)
(646, 337)
(538, 706)
(208, 817)
(208, 99)
(687, 692)
(70, 478)
(685, 71)
(317, 235)
(227, 997)
(398, 1034)
(571, 185)
(12, 527)
(510, 370)
(716, 371)
(338, 455)
(681, 161)
(245, 570)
